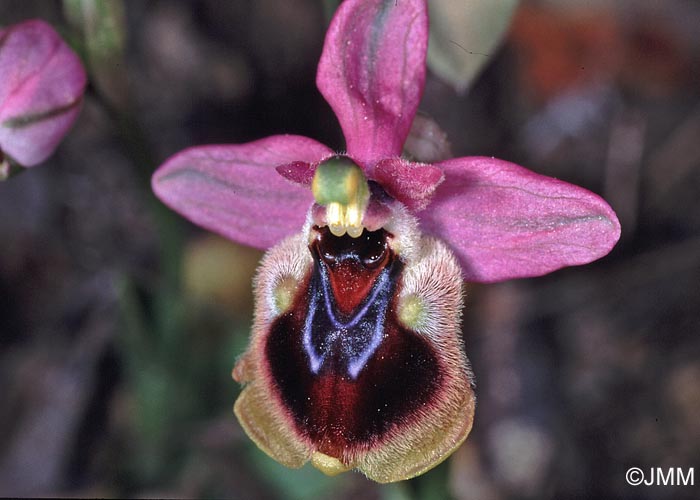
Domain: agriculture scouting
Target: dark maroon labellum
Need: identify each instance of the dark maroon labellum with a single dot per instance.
(345, 367)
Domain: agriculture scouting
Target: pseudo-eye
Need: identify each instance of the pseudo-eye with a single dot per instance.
(356, 359)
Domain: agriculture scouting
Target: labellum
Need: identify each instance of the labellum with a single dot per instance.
(356, 358)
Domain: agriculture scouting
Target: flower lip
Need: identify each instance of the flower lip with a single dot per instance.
(369, 387)
(318, 353)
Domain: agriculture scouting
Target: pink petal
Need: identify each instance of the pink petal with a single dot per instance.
(372, 73)
(504, 221)
(298, 172)
(413, 184)
(234, 190)
(41, 91)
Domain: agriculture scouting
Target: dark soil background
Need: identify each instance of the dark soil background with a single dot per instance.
(120, 321)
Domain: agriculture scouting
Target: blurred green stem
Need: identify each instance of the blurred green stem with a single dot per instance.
(153, 343)
(167, 224)
(102, 26)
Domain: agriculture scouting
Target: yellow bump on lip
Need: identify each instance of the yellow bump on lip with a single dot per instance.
(330, 466)
(340, 185)
(412, 311)
(283, 293)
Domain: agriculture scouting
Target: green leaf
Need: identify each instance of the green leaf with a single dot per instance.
(464, 34)
(103, 25)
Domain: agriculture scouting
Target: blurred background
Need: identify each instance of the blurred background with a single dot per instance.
(120, 321)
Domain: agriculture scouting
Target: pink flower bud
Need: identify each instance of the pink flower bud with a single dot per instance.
(41, 91)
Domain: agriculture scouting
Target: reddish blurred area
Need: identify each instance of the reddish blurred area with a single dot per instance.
(561, 48)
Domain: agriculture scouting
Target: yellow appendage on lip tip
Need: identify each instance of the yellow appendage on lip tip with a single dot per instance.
(341, 186)
(330, 466)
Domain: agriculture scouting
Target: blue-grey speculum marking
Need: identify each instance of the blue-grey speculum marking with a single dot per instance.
(350, 341)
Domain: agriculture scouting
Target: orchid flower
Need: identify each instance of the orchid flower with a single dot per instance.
(41, 91)
(356, 358)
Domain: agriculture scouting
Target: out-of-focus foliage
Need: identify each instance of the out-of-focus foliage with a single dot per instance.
(464, 34)
(103, 28)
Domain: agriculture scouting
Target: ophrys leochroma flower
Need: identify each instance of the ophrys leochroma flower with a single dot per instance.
(356, 358)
